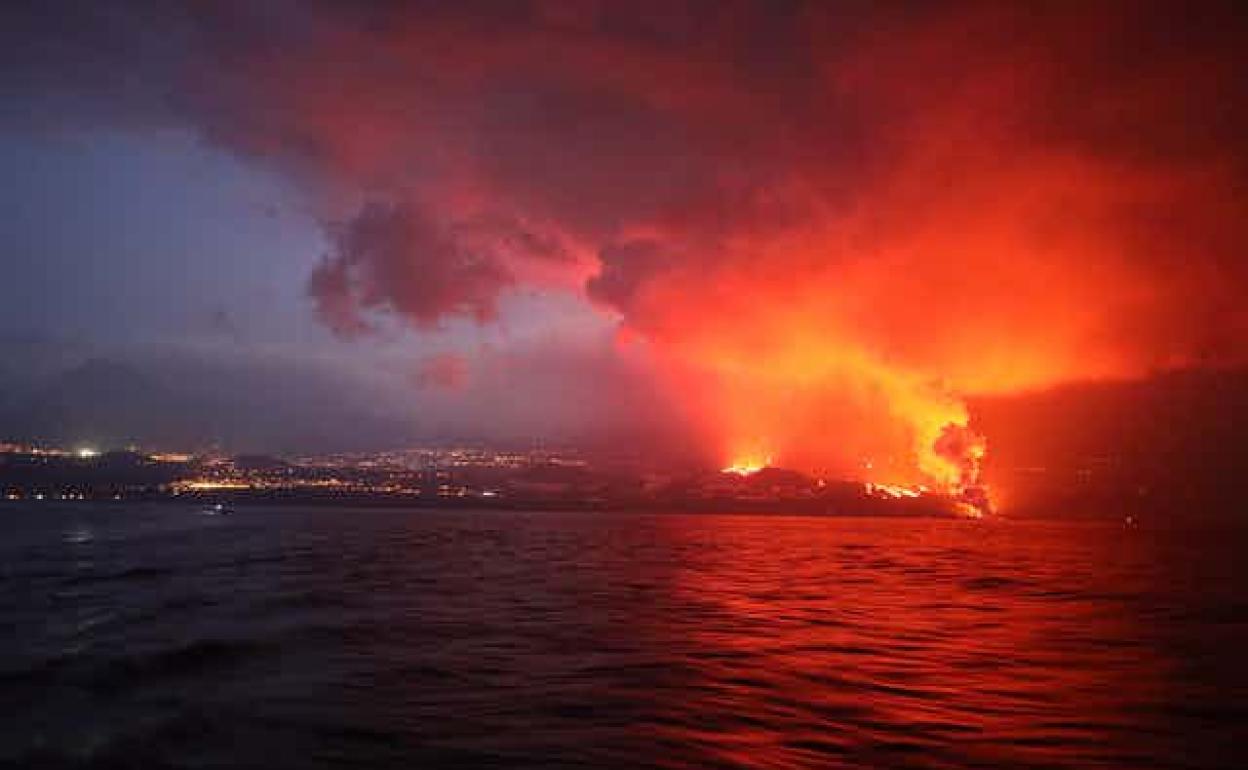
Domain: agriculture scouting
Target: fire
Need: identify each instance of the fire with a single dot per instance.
(747, 465)
(970, 503)
(893, 491)
(968, 510)
(824, 403)
(827, 256)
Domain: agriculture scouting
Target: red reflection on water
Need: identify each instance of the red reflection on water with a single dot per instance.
(917, 644)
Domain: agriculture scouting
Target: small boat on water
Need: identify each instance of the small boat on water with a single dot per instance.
(216, 509)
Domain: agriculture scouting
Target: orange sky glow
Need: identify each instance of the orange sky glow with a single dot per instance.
(829, 227)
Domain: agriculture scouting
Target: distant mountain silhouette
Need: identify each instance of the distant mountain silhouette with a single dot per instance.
(9, 390)
(95, 401)
(1179, 435)
(194, 404)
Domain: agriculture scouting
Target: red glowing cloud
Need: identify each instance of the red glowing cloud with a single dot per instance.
(830, 223)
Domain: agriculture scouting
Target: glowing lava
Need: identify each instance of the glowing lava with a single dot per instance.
(893, 491)
(747, 466)
(825, 253)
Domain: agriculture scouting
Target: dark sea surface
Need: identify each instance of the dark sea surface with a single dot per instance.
(153, 636)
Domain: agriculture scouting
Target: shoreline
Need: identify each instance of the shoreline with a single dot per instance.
(856, 508)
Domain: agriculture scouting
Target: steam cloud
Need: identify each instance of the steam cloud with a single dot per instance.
(829, 221)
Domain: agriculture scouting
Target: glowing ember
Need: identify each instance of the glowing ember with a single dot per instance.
(893, 491)
(967, 510)
(747, 466)
(971, 503)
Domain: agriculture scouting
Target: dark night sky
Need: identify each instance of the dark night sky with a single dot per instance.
(745, 225)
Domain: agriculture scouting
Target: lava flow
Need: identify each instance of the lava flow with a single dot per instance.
(843, 415)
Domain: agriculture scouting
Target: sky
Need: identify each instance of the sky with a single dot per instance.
(814, 234)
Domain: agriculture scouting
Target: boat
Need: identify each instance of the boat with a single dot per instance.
(217, 509)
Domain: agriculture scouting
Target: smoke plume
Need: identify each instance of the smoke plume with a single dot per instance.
(830, 223)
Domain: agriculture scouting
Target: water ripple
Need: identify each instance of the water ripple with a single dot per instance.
(327, 638)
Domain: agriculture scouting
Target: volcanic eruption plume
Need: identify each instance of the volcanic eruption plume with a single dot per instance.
(827, 228)
(826, 224)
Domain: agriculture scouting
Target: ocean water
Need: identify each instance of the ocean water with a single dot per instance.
(153, 636)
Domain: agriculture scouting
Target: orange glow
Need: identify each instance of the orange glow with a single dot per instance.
(831, 408)
(747, 466)
(893, 491)
(966, 510)
(212, 486)
(828, 257)
(849, 346)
